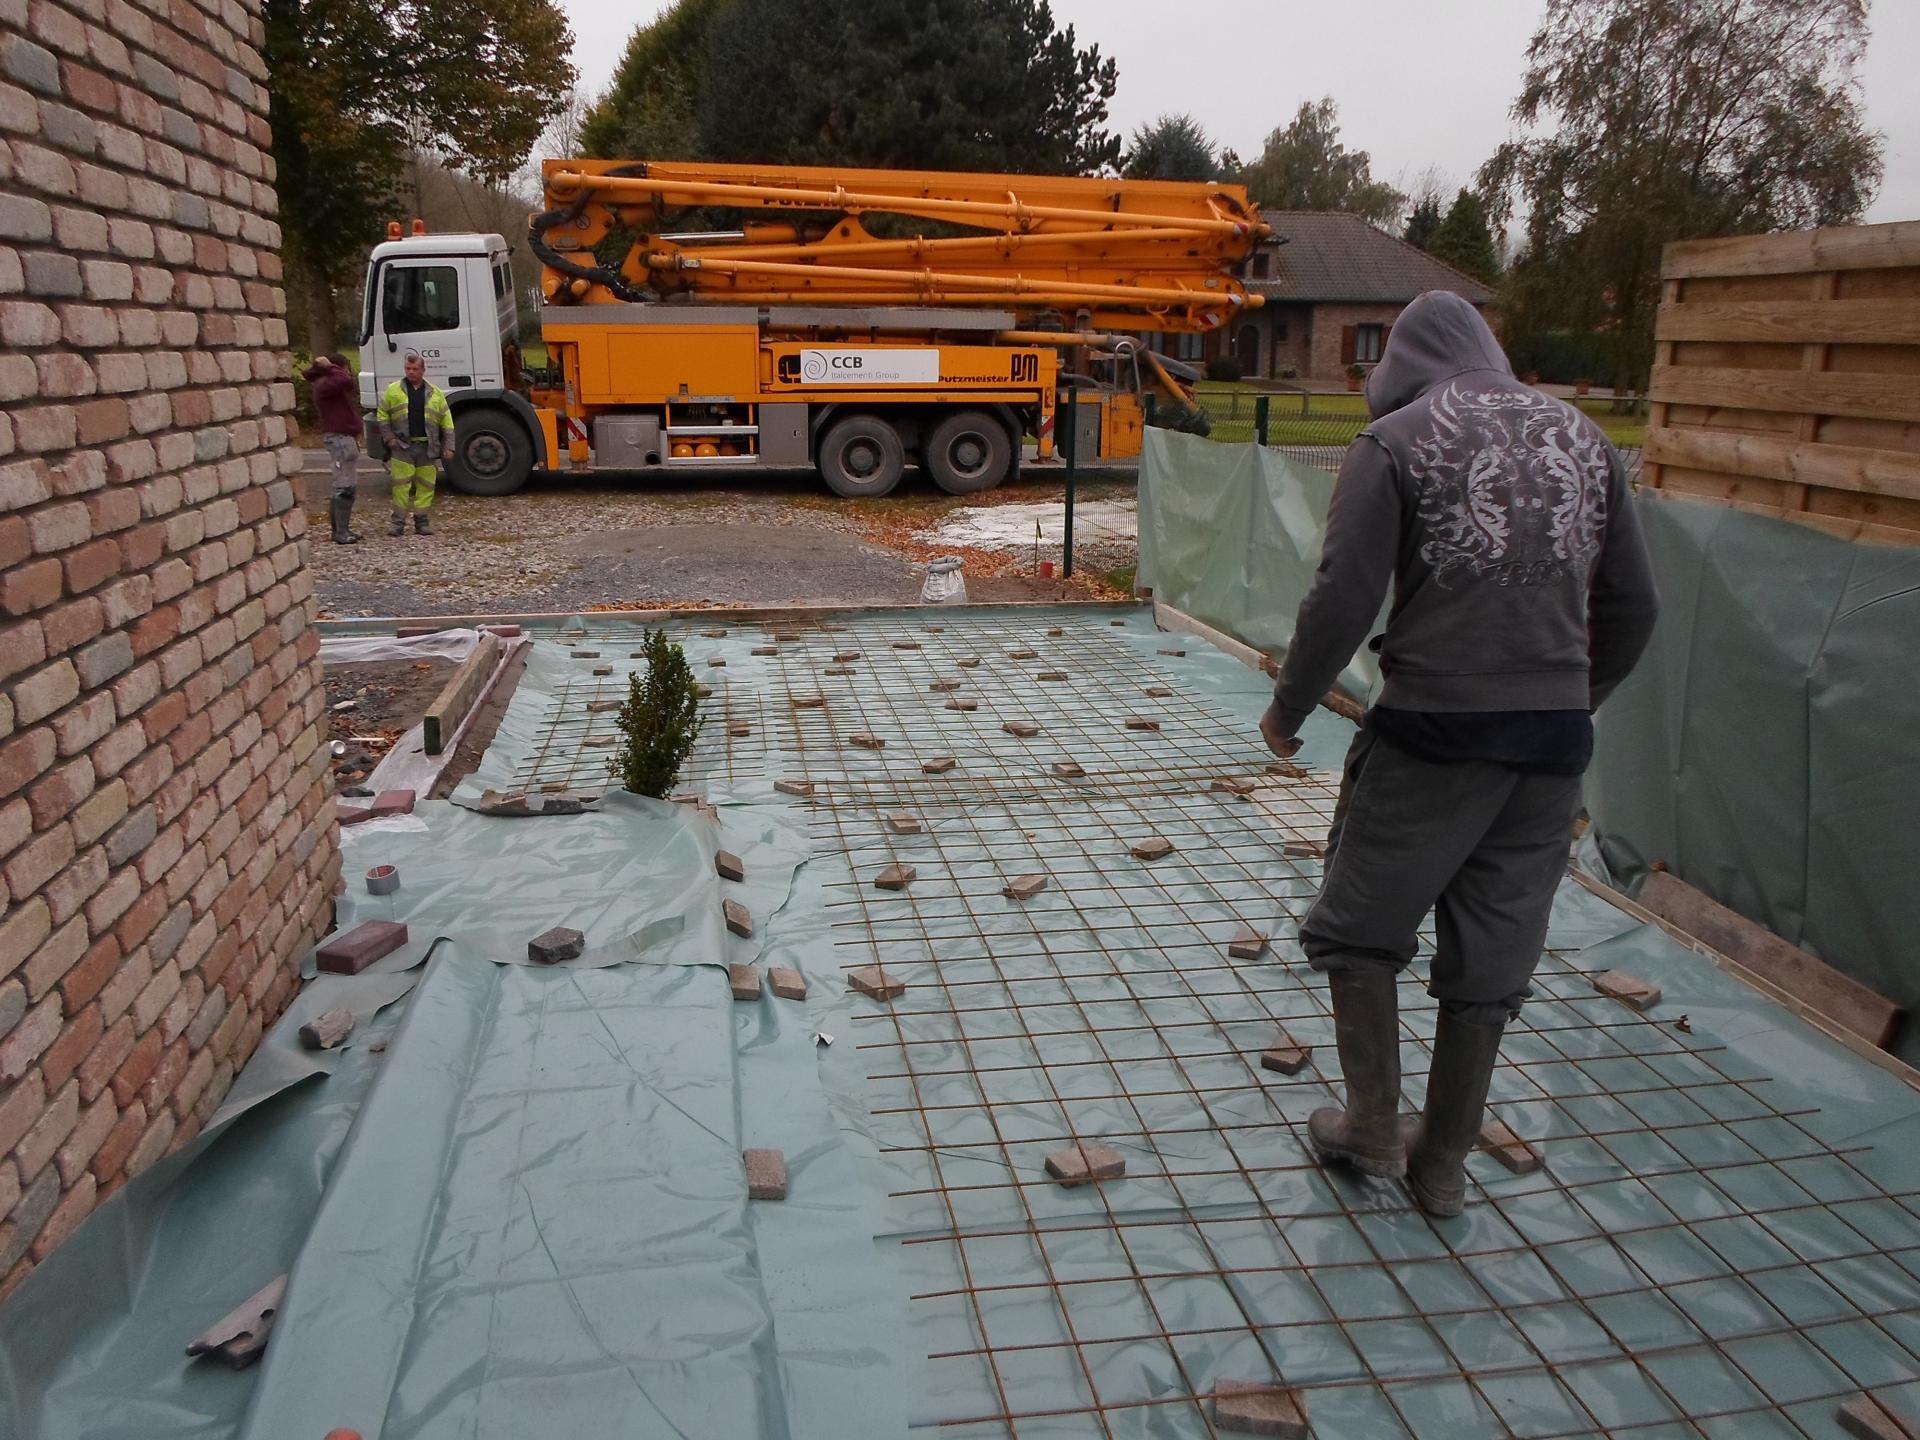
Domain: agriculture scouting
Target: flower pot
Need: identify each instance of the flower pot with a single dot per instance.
(1353, 383)
(1582, 387)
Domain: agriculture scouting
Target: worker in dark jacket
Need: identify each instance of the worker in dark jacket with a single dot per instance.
(1522, 594)
(335, 398)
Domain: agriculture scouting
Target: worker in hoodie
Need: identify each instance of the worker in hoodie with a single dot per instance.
(335, 400)
(1522, 595)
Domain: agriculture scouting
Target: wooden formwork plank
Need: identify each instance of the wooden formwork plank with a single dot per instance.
(1794, 322)
(1879, 397)
(1841, 998)
(1845, 247)
(462, 689)
(1799, 462)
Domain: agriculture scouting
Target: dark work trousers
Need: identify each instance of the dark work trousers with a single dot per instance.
(1480, 844)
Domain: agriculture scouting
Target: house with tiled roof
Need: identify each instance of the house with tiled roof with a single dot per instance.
(1333, 286)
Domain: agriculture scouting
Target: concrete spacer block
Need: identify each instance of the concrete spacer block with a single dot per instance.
(766, 1174)
(1024, 887)
(1232, 785)
(744, 981)
(787, 983)
(867, 740)
(1159, 692)
(354, 951)
(1175, 653)
(895, 877)
(1259, 1407)
(944, 685)
(1867, 1417)
(1247, 943)
(1054, 632)
(715, 662)
(802, 788)
(962, 703)
(1023, 654)
(766, 650)
(728, 866)
(600, 707)
(939, 765)
(739, 918)
(837, 670)
(703, 692)
(1628, 989)
(1023, 729)
(550, 947)
(327, 1029)
(901, 823)
(808, 702)
(1508, 1148)
(1142, 722)
(969, 663)
(583, 654)
(845, 657)
(1051, 675)
(392, 802)
(1085, 1163)
(737, 728)
(875, 983)
(906, 644)
(1304, 849)
(1286, 1057)
(1154, 847)
(714, 634)
(1068, 769)
(603, 669)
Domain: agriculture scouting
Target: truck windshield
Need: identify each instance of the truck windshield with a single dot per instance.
(421, 297)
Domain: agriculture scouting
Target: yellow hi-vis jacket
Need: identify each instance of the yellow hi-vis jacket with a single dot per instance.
(392, 414)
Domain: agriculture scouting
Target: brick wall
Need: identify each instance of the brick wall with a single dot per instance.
(1329, 321)
(165, 840)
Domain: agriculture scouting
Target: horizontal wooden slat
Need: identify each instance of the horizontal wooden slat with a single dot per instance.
(1845, 247)
(1794, 322)
(1800, 462)
(1880, 397)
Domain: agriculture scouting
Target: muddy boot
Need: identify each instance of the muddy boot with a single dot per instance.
(1440, 1139)
(398, 526)
(420, 526)
(1366, 1026)
(341, 512)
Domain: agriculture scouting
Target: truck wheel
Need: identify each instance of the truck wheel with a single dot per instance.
(968, 451)
(492, 452)
(861, 456)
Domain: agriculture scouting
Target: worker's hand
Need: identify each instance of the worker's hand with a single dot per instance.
(446, 453)
(1285, 746)
(321, 362)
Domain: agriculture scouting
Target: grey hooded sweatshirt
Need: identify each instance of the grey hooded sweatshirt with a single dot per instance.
(1503, 519)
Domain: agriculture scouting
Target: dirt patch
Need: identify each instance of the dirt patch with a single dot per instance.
(371, 704)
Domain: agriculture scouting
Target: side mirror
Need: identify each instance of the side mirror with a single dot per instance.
(392, 345)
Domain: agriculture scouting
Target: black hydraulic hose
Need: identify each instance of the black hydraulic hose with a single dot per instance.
(596, 274)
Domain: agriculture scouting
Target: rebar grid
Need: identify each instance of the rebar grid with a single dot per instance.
(1691, 1257)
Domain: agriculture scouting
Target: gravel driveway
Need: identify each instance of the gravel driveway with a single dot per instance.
(568, 544)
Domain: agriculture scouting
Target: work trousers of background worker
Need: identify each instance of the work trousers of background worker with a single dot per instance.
(1482, 845)
(413, 474)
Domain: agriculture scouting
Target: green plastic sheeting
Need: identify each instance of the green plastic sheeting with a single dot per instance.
(1768, 747)
(1230, 534)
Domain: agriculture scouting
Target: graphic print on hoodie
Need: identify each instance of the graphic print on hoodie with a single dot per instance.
(1502, 518)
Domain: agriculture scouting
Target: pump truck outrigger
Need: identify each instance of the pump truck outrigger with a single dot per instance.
(879, 318)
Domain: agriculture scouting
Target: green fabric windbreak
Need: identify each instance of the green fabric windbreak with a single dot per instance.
(1767, 749)
(1231, 534)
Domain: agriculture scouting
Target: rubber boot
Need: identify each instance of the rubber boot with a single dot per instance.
(342, 512)
(398, 526)
(1366, 1026)
(420, 526)
(1440, 1138)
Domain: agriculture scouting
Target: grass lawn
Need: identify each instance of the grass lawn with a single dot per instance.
(1335, 419)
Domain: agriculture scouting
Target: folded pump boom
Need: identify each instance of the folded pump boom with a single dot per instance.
(1059, 252)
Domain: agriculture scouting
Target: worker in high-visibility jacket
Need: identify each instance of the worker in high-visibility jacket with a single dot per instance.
(417, 425)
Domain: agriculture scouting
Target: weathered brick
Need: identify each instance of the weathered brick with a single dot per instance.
(27, 1040)
(125, 1134)
(29, 1217)
(45, 691)
(36, 1148)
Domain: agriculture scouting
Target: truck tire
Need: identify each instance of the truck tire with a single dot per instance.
(861, 456)
(492, 452)
(967, 452)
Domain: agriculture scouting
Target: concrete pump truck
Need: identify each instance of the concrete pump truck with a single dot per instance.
(853, 321)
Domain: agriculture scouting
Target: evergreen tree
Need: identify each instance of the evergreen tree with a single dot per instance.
(918, 84)
(1464, 239)
(1173, 147)
(1422, 222)
(651, 111)
(1303, 166)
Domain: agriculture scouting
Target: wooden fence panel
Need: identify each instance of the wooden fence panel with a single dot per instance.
(1787, 376)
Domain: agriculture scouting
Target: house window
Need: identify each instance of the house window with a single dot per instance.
(1279, 329)
(1366, 343)
(1189, 347)
(1262, 265)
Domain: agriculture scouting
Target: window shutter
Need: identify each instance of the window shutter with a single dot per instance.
(1349, 343)
(1386, 334)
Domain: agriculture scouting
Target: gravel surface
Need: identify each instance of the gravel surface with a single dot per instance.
(568, 545)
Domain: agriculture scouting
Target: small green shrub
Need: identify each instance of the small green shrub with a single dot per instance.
(659, 722)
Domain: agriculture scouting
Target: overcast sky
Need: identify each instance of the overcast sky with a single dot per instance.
(1418, 83)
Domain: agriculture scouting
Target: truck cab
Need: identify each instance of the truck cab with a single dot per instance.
(450, 299)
